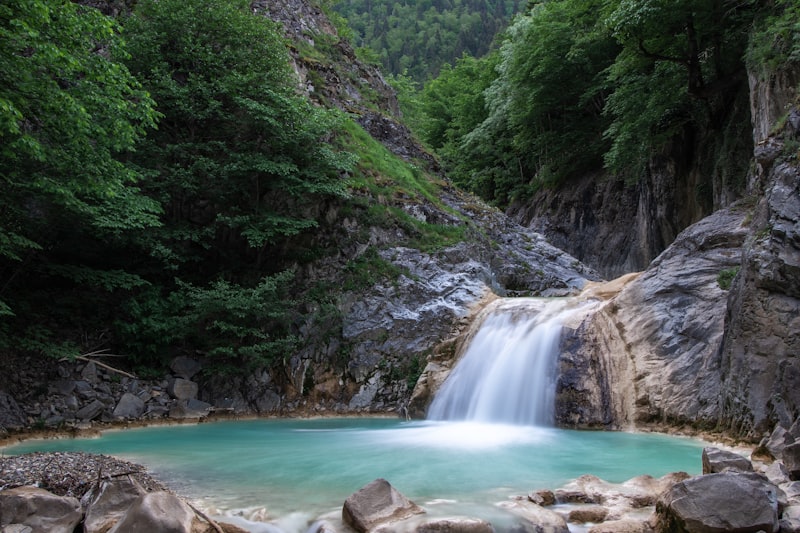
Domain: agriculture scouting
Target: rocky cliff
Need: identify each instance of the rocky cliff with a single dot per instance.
(687, 342)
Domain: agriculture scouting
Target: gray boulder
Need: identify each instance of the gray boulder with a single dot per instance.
(731, 502)
(39, 509)
(778, 440)
(791, 460)
(185, 367)
(129, 406)
(182, 389)
(189, 409)
(156, 511)
(377, 504)
(717, 460)
(109, 503)
(91, 410)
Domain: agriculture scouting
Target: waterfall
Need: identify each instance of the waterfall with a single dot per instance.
(508, 371)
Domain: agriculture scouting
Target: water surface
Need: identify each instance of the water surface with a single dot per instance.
(310, 466)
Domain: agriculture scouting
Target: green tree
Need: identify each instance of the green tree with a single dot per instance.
(239, 163)
(67, 113)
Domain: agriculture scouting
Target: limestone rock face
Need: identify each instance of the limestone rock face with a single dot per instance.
(716, 460)
(39, 509)
(377, 504)
(728, 501)
(156, 511)
(651, 352)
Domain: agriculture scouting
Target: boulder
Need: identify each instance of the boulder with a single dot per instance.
(189, 409)
(185, 367)
(109, 503)
(535, 518)
(717, 460)
(156, 511)
(542, 497)
(589, 513)
(182, 389)
(377, 504)
(129, 406)
(728, 501)
(91, 410)
(778, 440)
(455, 525)
(791, 460)
(39, 509)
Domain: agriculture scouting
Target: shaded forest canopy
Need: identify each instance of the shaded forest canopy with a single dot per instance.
(163, 180)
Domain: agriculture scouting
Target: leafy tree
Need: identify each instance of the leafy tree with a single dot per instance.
(238, 153)
(239, 163)
(67, 112)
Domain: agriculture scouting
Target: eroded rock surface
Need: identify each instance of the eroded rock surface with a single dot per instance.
(377, 504)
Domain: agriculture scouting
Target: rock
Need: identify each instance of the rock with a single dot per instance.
(91, 410)
(790, 525)
(89, 372)
(622, 526)
(535, 518)
(717, 460)
(542, 497)
(778, 440)
(791, 460)
(129, 406)
(109, 503)
(635, 358)
(40, 510)
(156, 511)
(11, 415)
(16, 528)
(727, 501)
(455, 525)
(590, 513)
(189, 409)
(777, 473)
(182, 389)
(377, 504)
(185, 367)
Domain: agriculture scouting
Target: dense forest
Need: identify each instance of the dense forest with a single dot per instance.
(417, 37)
(580, 85)
(163, 178)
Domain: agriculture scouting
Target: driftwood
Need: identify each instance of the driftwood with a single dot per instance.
(87, 358)
(205, 517)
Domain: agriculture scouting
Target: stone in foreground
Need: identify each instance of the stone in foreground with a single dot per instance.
(109, 503)
(732, 502)
(535, 518)
(39, 509)
(377, 504)
(156, 511)
(716, 460)
(455, 525)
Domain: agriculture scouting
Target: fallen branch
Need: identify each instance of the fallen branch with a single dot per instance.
(98, 363)
(205, 517)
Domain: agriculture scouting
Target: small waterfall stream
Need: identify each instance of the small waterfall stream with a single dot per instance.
(508, 372)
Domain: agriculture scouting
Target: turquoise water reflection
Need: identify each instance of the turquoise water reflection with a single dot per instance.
(311, 466)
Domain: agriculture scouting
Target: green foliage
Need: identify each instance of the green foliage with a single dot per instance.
(725, 277)
(238, 153)
(417, 37)
(775, 39)
(67, 112)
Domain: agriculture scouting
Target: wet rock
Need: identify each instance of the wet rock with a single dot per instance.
(377, 504)
(591, 513)
(40, 510)
(129, 406)
(156, 511)
(455, 525)
(622, 526)
(542, 497)
(727, 501)
(717, 460)
(535, 518)
(109, 502)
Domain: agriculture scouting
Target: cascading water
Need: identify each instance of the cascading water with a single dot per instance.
(507, 374)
